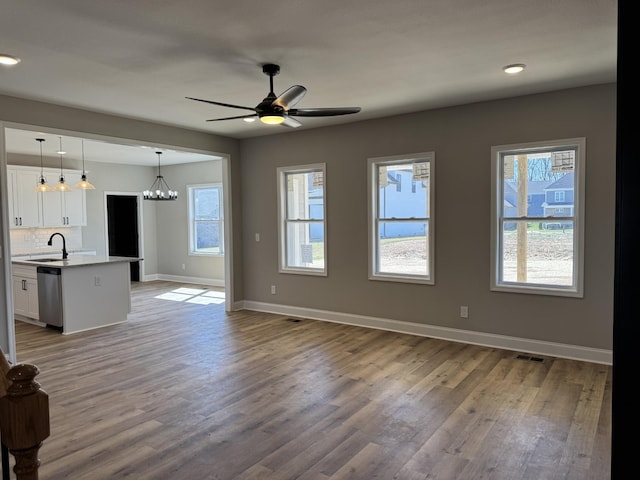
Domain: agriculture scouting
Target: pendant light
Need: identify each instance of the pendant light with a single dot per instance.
(61, 186)
(84, 184)
(42, 182)
(159, 189)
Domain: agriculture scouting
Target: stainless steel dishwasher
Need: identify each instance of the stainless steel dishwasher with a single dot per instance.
(50, 296)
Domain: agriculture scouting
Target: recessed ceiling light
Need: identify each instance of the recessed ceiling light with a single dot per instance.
(249, 119)
(8, 59)
(514, 68)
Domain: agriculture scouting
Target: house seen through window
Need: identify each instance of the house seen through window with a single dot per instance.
(401, 233)
(538, 217)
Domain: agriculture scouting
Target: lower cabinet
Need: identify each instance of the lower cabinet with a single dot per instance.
(25, 291)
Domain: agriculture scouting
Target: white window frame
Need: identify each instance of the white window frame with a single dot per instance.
(284, 221)
(497, 195)
(192, 222)
(374, 219)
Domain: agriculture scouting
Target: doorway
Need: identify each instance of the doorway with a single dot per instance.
(122, 229)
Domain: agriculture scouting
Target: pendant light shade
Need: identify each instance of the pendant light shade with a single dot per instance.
(42, 185)
(61, 186)
(159, 189)
(84, 184)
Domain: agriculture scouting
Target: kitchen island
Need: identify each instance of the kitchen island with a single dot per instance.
(91, 291)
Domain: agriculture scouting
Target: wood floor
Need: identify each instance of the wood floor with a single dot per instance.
(186, 391)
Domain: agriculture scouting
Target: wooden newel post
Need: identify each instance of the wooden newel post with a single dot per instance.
(24, 419)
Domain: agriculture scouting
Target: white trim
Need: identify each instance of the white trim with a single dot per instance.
(212, 282)
(228, 235)
(560, 350)
(281, 173)
(139, 208)
(372, 203)
(578, 218)
(5, 253)
(191, 212)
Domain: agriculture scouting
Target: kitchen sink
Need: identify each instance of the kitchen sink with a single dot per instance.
(45, 260)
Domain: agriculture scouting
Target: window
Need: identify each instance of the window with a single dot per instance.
(401, 238)
(206, 223)
(302, 218)
(537, 245)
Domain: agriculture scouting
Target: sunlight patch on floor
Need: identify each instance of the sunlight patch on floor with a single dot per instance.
(200, 296)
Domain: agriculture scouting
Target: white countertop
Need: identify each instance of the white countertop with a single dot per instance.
(50, 252)
(73, 261)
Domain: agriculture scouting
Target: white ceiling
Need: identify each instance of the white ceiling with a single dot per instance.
(141, 58)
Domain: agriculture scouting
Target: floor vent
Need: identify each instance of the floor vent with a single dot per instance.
(530, 358)
(294, 320)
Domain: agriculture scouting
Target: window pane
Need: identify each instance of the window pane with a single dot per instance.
(403, 247)
(538, 184)
(400, 194)
(205, 214)
(305, 244)
(546, 253)
(206, 204)
(305, 198)
(208, 237)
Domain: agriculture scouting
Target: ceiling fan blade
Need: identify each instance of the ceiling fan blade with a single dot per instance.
(221, 104)
(323, 112)
(290, 97)
(231, 118)
(291, 122)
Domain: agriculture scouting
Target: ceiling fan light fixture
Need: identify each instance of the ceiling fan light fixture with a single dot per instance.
(276, 110)
(272, 119)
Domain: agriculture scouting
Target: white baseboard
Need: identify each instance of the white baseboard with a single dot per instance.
(525, 345)
(212, 282)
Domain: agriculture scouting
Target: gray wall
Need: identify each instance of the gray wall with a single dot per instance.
(174, 247)
(461, 138)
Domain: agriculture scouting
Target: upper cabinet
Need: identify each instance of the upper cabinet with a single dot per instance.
(24, 201)
(30, 209)
(65, 209)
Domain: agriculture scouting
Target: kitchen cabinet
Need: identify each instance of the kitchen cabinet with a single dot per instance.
(65, 209)
(25, 291)
(24, 201)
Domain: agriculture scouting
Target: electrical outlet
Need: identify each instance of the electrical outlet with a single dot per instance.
(464, 311)
(257, 237)
(183, 266)
(97, 281)
(273, 289)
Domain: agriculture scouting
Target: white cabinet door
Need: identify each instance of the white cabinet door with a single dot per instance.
(25, 292)
(74, 203)
(65, 209)
(52, 215)
(24, 203)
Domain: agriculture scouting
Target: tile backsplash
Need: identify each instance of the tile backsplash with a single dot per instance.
(34, 240)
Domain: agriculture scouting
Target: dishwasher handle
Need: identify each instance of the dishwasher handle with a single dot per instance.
(49, 270)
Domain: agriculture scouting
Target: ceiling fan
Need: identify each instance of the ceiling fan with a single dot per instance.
(274, 110)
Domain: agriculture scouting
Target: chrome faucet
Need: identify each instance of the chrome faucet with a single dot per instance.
(64, 244)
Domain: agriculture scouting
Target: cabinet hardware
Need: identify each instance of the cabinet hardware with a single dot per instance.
(24, 284)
